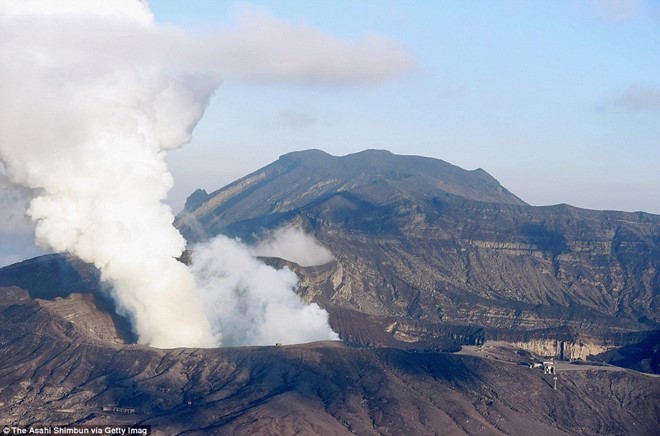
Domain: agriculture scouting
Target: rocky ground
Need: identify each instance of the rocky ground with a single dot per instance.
(63, 362)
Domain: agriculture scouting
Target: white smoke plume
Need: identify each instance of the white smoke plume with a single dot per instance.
(90, 104)
(250, 303)
(293, 244)
(93, 94)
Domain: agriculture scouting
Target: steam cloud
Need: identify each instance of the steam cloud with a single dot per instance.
(291, 243)
(94, 94)
(250, 303)
(88, 114)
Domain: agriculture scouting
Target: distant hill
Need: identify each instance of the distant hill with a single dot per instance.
(426, 251)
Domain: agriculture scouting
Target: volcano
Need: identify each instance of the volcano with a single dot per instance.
(444, 288)
(431, 255)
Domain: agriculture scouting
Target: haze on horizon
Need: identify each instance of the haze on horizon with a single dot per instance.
(560, 101)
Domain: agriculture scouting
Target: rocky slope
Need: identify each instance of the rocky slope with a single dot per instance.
(56, 369)
(437, 249)
(308, 175)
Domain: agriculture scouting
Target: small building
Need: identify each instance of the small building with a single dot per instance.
(549, 367)
(535, 365)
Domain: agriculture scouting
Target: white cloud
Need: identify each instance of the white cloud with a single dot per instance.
(261, 47)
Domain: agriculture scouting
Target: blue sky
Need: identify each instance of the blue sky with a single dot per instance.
(560, 101)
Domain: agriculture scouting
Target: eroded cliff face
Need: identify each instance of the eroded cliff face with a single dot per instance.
(562, 350)
(497, 285)
(92, 315)
(444, 247)
(446, 270)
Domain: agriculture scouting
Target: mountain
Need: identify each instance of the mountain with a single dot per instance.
(297, 179)
(427, 257)
(431, 255)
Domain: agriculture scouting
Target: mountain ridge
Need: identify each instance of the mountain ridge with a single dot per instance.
(416, 270)
(324, 174)
(409, 251)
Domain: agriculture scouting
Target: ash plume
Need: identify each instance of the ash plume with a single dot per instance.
(94, 94)
(90, 107)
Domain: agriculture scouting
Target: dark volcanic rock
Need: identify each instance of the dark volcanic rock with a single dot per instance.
(52, 372)
(195, 199)
(51, 276)
(268, 196)
(436, 248)
(71, 288)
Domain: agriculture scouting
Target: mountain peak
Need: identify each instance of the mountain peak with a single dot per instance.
(374, 177)
(425, 174)
(310, 154)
